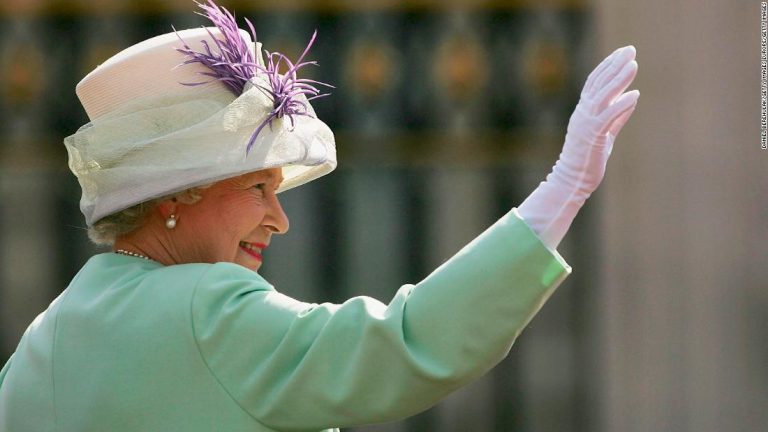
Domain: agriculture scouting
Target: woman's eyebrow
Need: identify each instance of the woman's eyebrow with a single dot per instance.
(271, 177)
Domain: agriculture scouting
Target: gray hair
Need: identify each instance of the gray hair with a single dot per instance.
(107, 229)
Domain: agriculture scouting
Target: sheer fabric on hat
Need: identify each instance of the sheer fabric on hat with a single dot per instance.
(160, 145)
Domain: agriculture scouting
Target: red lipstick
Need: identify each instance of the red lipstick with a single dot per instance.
(252, 252)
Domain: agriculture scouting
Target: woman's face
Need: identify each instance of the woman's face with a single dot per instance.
(233, 221)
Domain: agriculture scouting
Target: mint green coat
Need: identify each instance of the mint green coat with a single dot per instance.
(131, 345)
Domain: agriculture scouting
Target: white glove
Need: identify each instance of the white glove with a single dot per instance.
(602, 111)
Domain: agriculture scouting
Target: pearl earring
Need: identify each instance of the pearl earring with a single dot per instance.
(170, 223)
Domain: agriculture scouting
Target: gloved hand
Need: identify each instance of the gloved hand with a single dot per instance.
(602, 111)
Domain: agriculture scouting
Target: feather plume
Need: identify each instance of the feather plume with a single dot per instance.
(232, 62)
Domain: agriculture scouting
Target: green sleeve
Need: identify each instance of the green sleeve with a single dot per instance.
(4, 371)
(300, 366)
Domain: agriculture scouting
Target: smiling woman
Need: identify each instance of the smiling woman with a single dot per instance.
(176, 329)
(232, 221)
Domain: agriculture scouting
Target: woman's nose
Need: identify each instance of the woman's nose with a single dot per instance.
(276, 219)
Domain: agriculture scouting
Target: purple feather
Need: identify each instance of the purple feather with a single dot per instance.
(234, 65)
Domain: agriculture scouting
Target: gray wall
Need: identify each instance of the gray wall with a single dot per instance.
(682, 315)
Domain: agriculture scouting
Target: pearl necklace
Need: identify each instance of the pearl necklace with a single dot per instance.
(133, 254)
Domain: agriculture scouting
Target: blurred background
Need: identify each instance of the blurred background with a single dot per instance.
(447, 114)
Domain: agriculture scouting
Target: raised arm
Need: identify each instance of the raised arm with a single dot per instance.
(299, 366)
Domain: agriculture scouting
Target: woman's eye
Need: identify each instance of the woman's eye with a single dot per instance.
(265, 187)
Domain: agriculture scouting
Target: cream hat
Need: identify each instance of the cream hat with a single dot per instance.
(150, 135)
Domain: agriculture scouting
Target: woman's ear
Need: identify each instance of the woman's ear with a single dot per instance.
(168, 207)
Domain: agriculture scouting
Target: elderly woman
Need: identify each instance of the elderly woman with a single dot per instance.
(176, 330)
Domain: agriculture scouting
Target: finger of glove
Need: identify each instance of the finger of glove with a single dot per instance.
(619, 123)
(616, 115)
(626, 55)
(616, 87)
(590, 84)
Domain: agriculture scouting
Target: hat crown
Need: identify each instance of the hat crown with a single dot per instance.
(151, 68)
